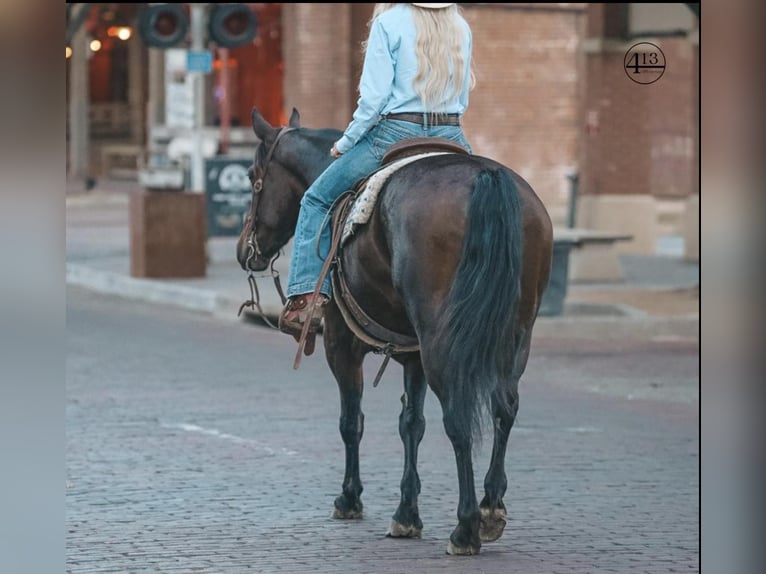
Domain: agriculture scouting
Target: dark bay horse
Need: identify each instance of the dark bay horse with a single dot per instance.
(457, 253)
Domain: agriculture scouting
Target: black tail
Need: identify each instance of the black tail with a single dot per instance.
(475, 337)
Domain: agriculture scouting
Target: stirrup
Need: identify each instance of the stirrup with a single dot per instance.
(296, 313)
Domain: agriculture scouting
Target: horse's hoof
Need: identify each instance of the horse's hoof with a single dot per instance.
(352, 514)
(344, 511)
(398, 530)
(492, 524)
(462, 550)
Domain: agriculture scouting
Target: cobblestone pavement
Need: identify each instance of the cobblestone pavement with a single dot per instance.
(192, 446)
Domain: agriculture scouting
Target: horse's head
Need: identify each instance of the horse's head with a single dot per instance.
(276, 193)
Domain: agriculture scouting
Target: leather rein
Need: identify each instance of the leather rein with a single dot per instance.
(254, 249)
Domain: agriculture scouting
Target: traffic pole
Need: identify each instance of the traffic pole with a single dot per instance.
(198, 18)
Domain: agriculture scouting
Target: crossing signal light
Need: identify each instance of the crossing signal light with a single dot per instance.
(163, 25)
(232, 25)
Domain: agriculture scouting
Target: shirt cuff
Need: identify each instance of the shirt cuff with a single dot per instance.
(344, 144)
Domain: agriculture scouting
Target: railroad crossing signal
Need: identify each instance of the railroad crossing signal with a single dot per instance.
(167, 25)
(163, 25)
(232, 25)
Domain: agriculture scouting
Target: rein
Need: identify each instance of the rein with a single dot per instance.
(254, 249)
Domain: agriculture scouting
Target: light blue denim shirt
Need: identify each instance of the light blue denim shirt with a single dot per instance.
(388, 74)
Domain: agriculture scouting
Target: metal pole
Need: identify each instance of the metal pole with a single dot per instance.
(574, 180)
(198, 16)
(225, 101)
(79, 98)
(77, 14)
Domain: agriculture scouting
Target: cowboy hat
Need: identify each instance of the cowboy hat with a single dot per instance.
(433, 5)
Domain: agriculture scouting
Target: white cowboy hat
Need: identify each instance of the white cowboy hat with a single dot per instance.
(433, 5)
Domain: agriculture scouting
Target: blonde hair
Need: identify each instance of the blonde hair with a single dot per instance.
(441, 68)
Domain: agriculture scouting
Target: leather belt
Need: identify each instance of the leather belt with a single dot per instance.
(427, 118)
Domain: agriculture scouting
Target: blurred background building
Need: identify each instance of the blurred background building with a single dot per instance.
(554, 101)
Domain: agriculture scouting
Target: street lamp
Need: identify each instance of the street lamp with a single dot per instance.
(122, 32)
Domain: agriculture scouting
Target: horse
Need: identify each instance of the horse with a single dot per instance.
(456, 255)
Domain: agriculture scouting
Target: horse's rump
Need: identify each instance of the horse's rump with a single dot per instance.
(443, 258)
(409, 248)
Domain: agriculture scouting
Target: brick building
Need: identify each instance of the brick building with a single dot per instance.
(523, 112)
(552, 99)
(639, 151)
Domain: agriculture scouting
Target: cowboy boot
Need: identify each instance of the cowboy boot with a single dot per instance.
(296, 313)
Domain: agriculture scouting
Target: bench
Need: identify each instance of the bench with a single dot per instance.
(580, 255)
(593, 256)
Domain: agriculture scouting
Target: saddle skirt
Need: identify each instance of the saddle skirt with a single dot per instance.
(365, 201)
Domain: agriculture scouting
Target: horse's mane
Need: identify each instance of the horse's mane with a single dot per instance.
(318, 136)
(313, 139)
(311, 149)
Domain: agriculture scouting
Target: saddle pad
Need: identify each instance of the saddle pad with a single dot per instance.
(363, 205)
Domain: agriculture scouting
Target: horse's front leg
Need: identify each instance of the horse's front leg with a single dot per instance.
(345, 358)
(412, 424)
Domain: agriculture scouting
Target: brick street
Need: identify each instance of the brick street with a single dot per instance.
(193, 446)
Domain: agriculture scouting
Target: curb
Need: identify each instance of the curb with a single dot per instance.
(97, 199)
(151, 291)
(682, 328)
(622, 321)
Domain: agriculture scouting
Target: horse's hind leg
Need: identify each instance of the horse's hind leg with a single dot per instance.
(412, 424)
(493, 511)
(465, 538)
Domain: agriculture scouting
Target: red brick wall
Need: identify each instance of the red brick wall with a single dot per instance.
(616, 155)
(672, 121)
(639, 139)
(524, 111)
(317, 60)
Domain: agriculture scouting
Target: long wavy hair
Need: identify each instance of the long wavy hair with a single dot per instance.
(441, 67)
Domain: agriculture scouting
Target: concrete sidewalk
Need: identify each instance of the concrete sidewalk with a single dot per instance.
(658, 299)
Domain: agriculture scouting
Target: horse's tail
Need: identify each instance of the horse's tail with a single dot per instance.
(475, 334)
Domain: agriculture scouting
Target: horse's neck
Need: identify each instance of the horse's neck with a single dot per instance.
(313, 156)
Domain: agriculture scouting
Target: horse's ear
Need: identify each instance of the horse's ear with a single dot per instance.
(261, 127)
(295, 119)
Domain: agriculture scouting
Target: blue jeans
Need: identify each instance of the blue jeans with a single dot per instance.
(341, 175)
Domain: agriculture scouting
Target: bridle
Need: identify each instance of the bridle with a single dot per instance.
(254, 249)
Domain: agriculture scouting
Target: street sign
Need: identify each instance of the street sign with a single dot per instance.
(199, 61)
(228, 191)
(179, 90)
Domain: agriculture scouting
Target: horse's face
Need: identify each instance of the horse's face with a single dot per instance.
(273, 210)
